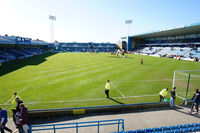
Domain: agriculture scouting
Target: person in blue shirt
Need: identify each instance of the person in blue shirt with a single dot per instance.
(3, 121)
(196, 100)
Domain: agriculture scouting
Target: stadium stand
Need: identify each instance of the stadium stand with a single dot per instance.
(4, 40)
(87, 47)
(183, 41)
(9, 54)
(163, 51)
(194, 127)
(14, 47)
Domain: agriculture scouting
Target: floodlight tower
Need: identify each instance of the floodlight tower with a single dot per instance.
(128, 22)
(52, 18)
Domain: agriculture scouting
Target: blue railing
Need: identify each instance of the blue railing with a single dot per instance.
(77, 125)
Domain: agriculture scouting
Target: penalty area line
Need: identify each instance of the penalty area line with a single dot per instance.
(153, 80)
(85, 100)
(180, 97)
(24, 87)
(118, 90)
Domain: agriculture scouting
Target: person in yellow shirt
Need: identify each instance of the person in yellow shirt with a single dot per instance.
(14, 96)
(163, 94)
(107, 88)
(14, 104)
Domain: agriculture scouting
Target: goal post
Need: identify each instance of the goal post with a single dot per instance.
(186, 81)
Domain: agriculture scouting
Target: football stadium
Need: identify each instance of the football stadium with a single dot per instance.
(124, 87)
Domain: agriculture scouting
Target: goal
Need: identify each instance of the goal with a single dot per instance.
(186, 81)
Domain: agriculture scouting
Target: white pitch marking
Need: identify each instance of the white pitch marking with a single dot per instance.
(138, 81)
(118, 90)
(24, 87)
(181, 97)
(87, 99)
(156, 80)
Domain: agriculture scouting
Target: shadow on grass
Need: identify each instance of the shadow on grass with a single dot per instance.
(17, 64)
(115, 100)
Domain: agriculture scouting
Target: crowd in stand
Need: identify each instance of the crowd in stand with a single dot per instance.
(20, 116)
(189, 52)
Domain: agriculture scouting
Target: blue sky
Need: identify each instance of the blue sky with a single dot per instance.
(93, 20)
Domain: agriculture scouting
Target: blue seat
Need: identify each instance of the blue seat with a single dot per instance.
(181, 126)
(186, 130)
(196, 124)
(140, 131)
(131, 131)
(190, 125)
(157, 129)
(167, 131)
(190, 129)
(173, 127)
(165, 128)
(148, 130)
(195, 129)
(121, 132)
(177, 131)
(118, 132)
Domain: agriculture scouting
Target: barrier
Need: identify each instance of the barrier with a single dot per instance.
(77, 125)
(46, 113)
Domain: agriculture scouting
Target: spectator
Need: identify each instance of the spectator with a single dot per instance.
(173, 97)
(163, 94)
(18, 103)
(15, 108)
(195, 101)
(23, 117)
(3, 121)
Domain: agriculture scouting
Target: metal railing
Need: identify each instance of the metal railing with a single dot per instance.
(77, 125)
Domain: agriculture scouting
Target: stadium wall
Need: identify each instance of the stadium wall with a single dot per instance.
(46, 113)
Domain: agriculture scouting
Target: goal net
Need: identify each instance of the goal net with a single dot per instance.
(186, 81)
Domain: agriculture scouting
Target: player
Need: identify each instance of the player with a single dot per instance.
(123, 54)
(141, 61)
(118, 52)
(107, 88)
(179, 58)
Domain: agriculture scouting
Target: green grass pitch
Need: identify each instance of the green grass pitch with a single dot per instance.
(65, 80)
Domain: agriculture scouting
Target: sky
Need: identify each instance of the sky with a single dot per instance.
(93, 20)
